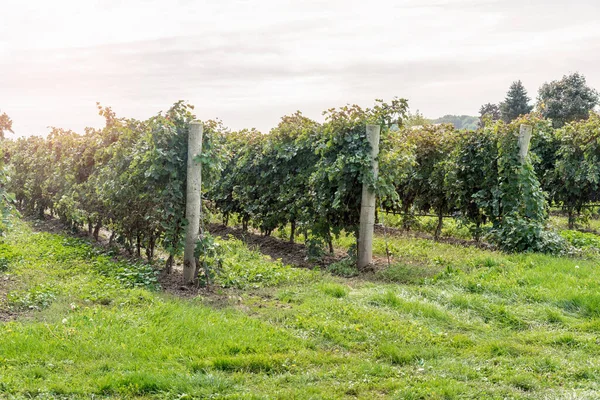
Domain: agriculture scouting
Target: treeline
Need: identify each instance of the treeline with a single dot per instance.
(129, 177)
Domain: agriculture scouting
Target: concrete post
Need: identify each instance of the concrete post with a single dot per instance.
(524, 139)
(193, 197)
(367, 204)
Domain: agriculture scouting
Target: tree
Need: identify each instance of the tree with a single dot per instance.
(5, 124)
(489, 111)
(569, 99)
(516, 102)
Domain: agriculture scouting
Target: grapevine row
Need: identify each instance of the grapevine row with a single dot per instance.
(129, 177)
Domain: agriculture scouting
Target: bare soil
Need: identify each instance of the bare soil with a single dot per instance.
(172, 284)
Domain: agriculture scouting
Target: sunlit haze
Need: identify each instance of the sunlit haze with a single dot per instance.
(251, 62)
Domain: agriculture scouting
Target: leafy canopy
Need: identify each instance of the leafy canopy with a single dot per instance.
(566, 100)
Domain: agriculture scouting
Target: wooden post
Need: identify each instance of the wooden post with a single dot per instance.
(193, 196)
(367, 204)
(524, 139)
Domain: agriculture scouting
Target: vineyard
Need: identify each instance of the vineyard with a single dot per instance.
(130, 177)
(290, 230)
(500, 301)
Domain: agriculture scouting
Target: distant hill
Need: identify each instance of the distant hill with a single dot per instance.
(459, 121)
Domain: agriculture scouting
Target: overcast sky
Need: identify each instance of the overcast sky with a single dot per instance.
(251, 62)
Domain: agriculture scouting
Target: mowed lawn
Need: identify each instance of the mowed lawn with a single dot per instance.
(443, 322)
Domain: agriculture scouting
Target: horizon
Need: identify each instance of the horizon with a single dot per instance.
(250, 64)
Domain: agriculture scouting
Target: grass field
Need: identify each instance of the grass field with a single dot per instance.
(443, 322)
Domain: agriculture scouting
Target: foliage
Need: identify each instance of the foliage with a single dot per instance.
(346, 267)
(516, 102)
(576, 177)
(129, 274)
(129, 176)
(489, 111)
(6, 199)
(36, 298)
(473, 177)
(425, 186)
(582, 240)
(478, 178)
(238, 183)
(3, 264)
(344, 164)
(208, 253)
(519, 189)
(544, 152)
(566, 100)
(309, 175)
(520, 215)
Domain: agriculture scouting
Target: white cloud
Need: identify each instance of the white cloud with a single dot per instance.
(250, 62)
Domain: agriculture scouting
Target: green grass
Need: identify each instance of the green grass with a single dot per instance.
(443, 322)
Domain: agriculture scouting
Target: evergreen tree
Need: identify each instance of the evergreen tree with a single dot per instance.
(516, 102)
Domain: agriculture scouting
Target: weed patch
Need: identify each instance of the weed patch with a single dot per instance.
(36, 298)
